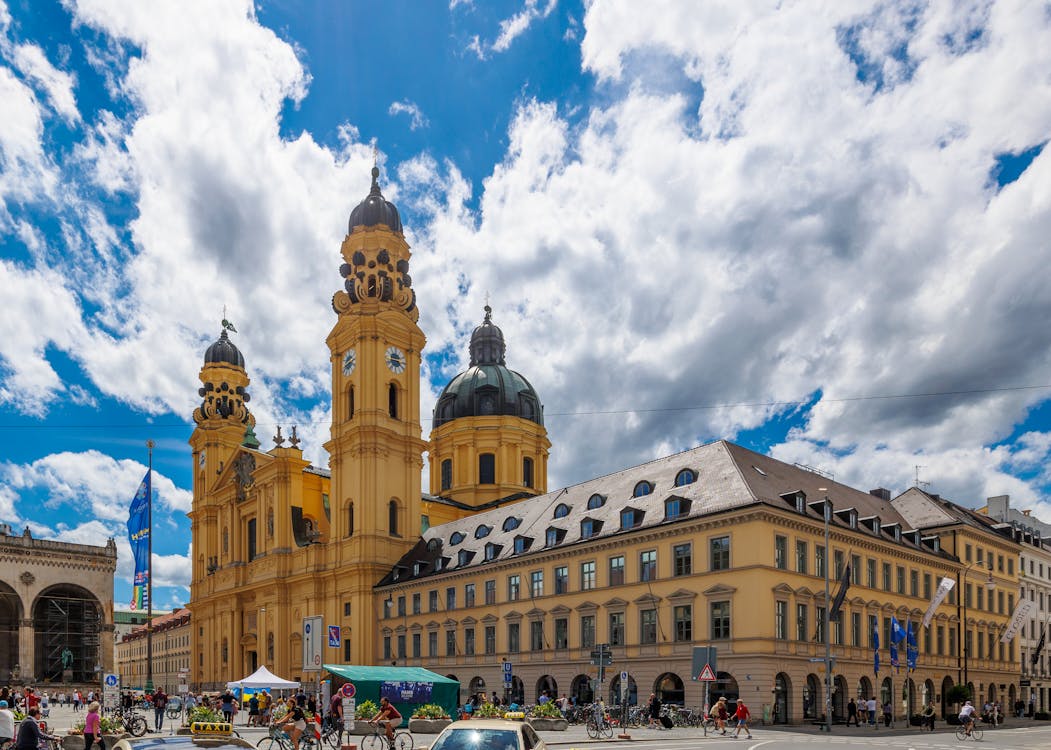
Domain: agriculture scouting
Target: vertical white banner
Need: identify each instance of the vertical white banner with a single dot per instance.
(944, 587)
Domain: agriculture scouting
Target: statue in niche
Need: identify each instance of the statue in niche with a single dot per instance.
(67, 658)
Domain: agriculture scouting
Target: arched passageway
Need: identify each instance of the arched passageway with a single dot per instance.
(67, 626)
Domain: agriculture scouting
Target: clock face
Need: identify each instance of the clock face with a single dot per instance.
(395, 359)
(350, 359)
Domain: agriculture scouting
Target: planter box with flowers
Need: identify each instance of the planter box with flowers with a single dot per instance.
(112, 733)
(546, 717)
(429, 719)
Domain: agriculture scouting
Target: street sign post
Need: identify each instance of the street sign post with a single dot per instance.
(111, 691)
(313, 632)
(705, 657)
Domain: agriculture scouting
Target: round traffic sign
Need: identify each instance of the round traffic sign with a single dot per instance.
(348, 690)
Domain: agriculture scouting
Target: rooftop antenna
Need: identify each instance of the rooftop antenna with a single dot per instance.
(918, 483)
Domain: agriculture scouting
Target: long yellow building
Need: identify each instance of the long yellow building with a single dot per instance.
(715, 547)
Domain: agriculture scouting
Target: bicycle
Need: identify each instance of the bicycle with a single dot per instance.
(332, 734)
(598, 724)
(133, 723)
(976, 733)
(378, 740)
(277, 739)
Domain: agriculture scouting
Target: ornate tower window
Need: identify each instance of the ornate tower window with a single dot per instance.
(447, 474)
(527, 472)
(226, 540)
(350, 402)
(350, 519)
(487, 468)
(392, 517)
(392, 400)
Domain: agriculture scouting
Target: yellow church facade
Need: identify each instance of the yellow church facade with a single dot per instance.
(716, 547)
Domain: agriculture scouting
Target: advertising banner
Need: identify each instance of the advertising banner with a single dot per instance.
(406, 692)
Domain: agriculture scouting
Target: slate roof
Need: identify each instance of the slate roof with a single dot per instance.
(728, 477)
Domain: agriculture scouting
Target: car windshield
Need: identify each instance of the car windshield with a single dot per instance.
(477, 739)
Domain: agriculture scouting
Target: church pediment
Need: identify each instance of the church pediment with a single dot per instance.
(239, 472)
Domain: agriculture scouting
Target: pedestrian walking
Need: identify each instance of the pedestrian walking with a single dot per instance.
(870, 706)
(742, 715)
(654, 712)
(160, 700)
(888, 712)
(928, 716)
(852, 712)
(92, 727)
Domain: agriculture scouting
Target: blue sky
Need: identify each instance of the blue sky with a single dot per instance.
(818, 231)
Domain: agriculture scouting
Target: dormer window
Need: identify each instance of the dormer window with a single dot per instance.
(596, 501)
(511, 523)
(522, 544)
(440, 563)
(491, 551)
(482, 531)
(642, 489)
(561, 510)
(589, 527)
(852, 519)
(554, 536)
(456, 538)
(463, 557)
(675, 506)
(876, 529)
(630, 518)
(417, 568)
(685, 477)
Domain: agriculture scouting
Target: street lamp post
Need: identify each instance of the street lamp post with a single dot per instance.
(965, 650)
(827, 507)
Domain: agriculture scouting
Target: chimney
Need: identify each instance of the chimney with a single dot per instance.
(998, 506)
(881, 493)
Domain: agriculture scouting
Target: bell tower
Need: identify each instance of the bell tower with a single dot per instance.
(375, 449)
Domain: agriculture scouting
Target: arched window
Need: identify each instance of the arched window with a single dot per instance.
(486, 468)
(511, 523)
(447, 473)
(392, 400)
(456, 538)
(527, 472)
(684, 477)
(482, 531)
(642, 488)
(350, 519)
(561, 510)
(392, 517)
(596, 501)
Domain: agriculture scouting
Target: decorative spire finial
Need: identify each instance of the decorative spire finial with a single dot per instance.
(294, 440)
(279, 439)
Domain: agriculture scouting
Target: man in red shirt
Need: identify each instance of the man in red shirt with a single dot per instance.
(32, 699)
(388, 716)
(742, 715)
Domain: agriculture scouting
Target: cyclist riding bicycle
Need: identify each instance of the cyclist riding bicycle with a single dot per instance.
(967, 716)
(295, 722)
(388, 716)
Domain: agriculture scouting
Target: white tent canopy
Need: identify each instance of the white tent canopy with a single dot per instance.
(263, 678)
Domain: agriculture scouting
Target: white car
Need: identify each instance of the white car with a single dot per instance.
(488, 734)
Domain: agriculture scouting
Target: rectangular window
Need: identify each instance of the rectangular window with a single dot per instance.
(801, 623)
(900, 579)
(514, 587)
(873, 624)
(819, 560)
(870, 573)
(432, 601)
(561, 579)
(720, 549)
(683, 617)
(927, 586)
(648, 565)
(415, 647)
(855, 629)
(914, 583)
(682, 555)
(780, 552)
(839, 560)
(720, 619)
(401, 606)
(401, 647)
(801, 557)
(952, 642)
(536, 583)
(926, 640)
(490, 640)
(468, 641)
(616, 570)
(837, 630)
(561, 633)
(981, 597)
(587, 575)
(468, 595)
(486, 468)
(432, 643)
(616, 628)
(450, 599)
(514, 636)
(416, 605)
(940, 642)
(447, 473)
(536, 635)
(886, 577)
(527, 472)
(450, 643)
(250, 534)
(587, 631)
(819, 621)
(386, 648)
(490, 592)
(781, 620)
(648, 626)
(968, 552)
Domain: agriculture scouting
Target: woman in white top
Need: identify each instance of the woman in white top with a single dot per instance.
(7, 723)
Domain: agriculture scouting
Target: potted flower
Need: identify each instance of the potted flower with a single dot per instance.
(429, 718)
(488, 711)
(545, 717)
(202, 714)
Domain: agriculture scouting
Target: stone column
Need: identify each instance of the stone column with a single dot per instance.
(27, 651)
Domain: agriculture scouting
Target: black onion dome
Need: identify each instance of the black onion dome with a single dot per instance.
(223, 351)
(375, 209)
(488, 387)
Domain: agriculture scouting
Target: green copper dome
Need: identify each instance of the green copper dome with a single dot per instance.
(488, 387)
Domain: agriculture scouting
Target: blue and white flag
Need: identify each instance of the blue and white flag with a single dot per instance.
(897, 633)
(139, 536)
(911, 649)
(875, 647)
